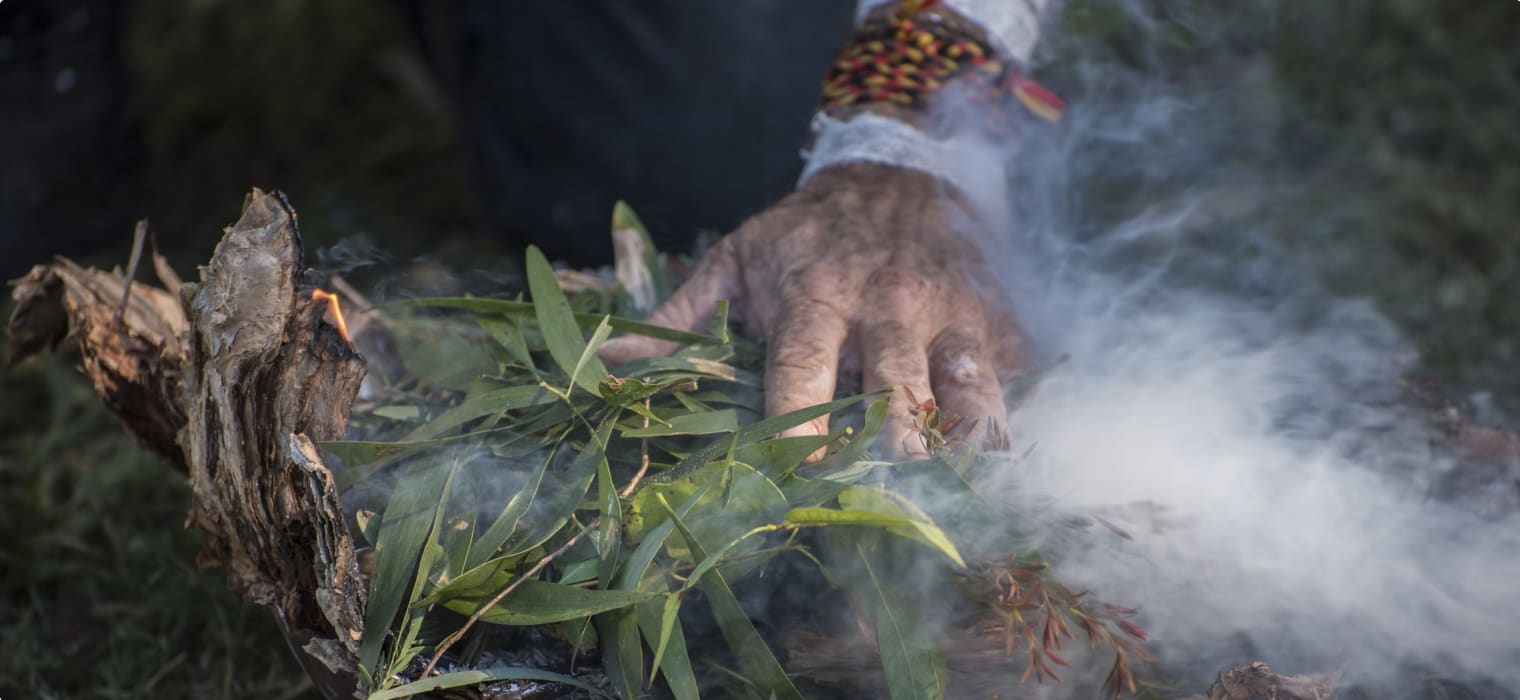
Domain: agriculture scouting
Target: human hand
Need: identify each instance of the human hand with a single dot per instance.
(867, 268)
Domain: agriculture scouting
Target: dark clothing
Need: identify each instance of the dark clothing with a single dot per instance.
(692, 112)
(72, 149)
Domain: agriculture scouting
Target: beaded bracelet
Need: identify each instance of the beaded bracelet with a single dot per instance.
(905, 53)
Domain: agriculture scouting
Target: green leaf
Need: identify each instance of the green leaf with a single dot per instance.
(538, 602)
(483, 403)
(471, 678)
(755, 658)
(580, 572)
(915, 668)
(555, 508)
(650, 540)
(588, 361)
(715, 556)
(404, 413)
(629, 391)
(369, 525)
(651, 368)
(611, 516)
(506, 523)
(675, 665)
(622, 652)
(511, 307)
(404, 528)
(435, 351)
(433, 558)
(510, 337)
(717, 327)
(801, 492)
(557, 321)
(455, 537)
(667, 623)
(737, 499)
(876, 416)
(708, 423)
(753, 433)
(779, 457)
(872, 507)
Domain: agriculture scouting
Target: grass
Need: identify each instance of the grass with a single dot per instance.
(98, 586)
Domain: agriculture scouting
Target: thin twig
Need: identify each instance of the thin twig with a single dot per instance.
(139, 236)
(459, 633)
(643, 457)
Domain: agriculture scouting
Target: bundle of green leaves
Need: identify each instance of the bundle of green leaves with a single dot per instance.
(524, 484)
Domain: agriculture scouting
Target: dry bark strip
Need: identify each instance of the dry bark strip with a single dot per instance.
(231, 379)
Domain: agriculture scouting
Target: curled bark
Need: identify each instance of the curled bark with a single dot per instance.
(232, 380)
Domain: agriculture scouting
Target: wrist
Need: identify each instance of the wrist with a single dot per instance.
(966, 161)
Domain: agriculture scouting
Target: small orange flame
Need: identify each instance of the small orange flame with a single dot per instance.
(334, 310)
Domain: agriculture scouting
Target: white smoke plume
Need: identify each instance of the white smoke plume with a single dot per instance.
(1195, 368)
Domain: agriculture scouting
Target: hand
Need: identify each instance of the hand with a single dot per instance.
(862, 269)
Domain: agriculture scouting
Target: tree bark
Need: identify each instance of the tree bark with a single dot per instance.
(232, 379)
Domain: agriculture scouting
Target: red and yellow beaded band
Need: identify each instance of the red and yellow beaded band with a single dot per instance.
(906, 54)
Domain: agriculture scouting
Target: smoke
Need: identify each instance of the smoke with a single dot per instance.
(1193, 365)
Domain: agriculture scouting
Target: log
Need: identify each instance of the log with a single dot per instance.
(232, 380)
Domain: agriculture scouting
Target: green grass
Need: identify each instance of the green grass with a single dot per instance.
(99, 592)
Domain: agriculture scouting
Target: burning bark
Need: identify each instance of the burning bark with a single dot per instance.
(232, 380)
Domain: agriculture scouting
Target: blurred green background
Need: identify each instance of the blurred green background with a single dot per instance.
(1401, 119)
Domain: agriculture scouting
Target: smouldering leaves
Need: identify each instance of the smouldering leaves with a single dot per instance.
(681, 490)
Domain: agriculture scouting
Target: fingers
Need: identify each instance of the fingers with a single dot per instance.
(1010, 347)
(893, 357)
(803, 361)
(689, 308)
(893, 341)
(965, 378)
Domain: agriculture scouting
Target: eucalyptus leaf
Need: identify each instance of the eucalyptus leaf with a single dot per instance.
(536, 602)
(755, 658)
(510, 337)
(458, 679)
(557, 321)
(899, 524)
(403, 531)
(735, 499)
(511, 307)
(914, 666)
(589, 372)
(675, 664)
(505, 524)
(711, 422)
(779, 457)
(669, 610)
(483, 403)
(652, 540)
(860, 443)
(753, 433)
(622, 652)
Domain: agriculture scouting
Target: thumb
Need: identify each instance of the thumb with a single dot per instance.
(688, 309)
